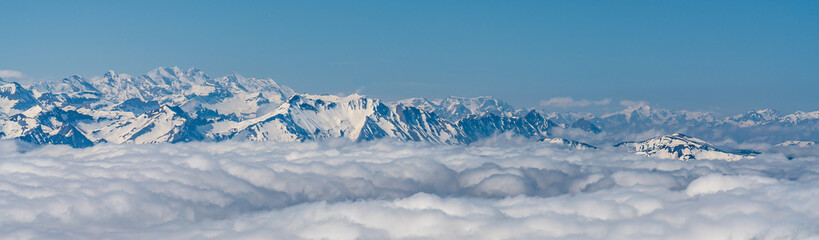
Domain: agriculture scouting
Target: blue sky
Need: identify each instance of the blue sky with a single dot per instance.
(726, 56)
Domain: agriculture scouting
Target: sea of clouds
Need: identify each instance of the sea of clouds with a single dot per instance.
(498, 189)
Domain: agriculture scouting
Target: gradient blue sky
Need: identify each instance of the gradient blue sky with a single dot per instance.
(726, 56)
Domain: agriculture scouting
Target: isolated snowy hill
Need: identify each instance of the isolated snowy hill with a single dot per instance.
(795, 143)
(569, 143)
(682, 147)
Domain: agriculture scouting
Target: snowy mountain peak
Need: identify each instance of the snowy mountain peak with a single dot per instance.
(637, 110)
(175, 72)
(760, 115)
(768, 113)
(165, 71)
(235, 82)
(111, 75)
(9, 88)
(72, 84)
(15, 98)
(174, 76)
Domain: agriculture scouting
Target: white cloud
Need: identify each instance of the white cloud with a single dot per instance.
(606, 101)
(567, 102)
(8, 74)
(631, 103)
(496, 189)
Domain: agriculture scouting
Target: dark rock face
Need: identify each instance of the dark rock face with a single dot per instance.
(585, 125)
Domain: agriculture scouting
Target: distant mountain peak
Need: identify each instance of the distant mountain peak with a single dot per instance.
(796, 143)
(234, 75)
(585, 125)
(455, 108)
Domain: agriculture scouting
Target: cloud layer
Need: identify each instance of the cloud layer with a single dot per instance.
(568, 102)
(8, 74)
(632, 103)
(492, 190)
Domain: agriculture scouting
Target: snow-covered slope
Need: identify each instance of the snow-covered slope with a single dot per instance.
(244, 97)
(165, 124)
(354, 117)
(682, 147)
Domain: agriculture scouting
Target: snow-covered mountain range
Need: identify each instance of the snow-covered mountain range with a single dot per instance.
(181, 105)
